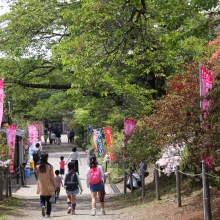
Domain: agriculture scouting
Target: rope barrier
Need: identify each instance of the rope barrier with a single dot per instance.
(16, 172)
(189, 174)
(218, 177)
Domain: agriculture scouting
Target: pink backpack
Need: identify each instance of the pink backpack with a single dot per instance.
(94, 175)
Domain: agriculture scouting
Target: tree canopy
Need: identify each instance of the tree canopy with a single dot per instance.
(106, 59)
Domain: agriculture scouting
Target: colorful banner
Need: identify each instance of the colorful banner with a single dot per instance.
(129, 126)
(109, 141)
(93, 138)
(11, 134)
(97, 138)
(206, 86)
(33, 134)
(1, 99)
(39, 128)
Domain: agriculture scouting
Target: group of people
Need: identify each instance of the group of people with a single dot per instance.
(48, 184)
(54, 137)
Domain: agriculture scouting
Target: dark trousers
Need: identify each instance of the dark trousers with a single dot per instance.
(35, 165)
(72, 139)
(43, 201)
(129, 186)
(76, 165)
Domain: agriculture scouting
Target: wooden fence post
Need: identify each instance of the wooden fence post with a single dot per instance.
(143, 181)
(1, 186)
(106, 167)
(206, 195)
(6, 183)
(131, 180)
(178, 187)
(23, 181)
(156, 176)
(125, 182)
(9, 185)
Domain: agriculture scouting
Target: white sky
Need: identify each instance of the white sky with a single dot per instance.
(3, 7)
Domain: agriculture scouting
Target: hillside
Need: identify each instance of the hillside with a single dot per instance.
(167, 208)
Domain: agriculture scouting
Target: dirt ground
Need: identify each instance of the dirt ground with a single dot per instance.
(167, 207)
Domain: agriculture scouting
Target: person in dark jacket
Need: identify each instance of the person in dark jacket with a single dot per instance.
(58, 137)
(72, 135)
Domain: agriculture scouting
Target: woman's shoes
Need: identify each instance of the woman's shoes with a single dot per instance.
(69, 210)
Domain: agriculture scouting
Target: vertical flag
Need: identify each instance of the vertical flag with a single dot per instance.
(97, 137)
(205, 87)
(129, 126)
(94, 140)
(32, 130)
(39, 129)
(109, 141)
(1, 99)
(11, 134)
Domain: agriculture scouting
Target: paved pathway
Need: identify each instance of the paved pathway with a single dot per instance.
(30, 208)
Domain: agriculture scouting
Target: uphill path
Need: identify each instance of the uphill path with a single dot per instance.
(29, 209)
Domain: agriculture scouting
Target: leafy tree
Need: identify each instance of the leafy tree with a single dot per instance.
(101, 61)
(95, 50)
(175, 121)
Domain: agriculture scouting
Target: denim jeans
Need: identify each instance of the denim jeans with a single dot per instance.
(43, 200)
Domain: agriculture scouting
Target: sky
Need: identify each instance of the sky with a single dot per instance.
(3, 7)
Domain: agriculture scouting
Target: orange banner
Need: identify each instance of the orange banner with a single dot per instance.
(109, 141)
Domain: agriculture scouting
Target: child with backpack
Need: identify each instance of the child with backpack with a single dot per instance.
(72, 184)
(94, 175)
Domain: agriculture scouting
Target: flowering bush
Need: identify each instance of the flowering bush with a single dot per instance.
(171, 157)
(4, 155)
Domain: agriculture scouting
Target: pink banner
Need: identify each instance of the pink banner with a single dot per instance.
(1, 99)
(11, 134)
(129, 126)
(32, 130)
(39, 127)
(206, 86)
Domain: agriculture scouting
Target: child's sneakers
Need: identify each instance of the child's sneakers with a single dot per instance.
(73, 212)
(93, 213)
(69, 210)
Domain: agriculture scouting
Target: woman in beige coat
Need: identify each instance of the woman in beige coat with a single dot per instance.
(46, 184)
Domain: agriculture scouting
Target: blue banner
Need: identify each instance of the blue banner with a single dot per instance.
(99, 141)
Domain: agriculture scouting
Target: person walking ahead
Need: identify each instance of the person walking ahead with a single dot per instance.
(74, 155)
(94, 175)
(72, 135)
(72, 184)
(46, 185)
(36, 157)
